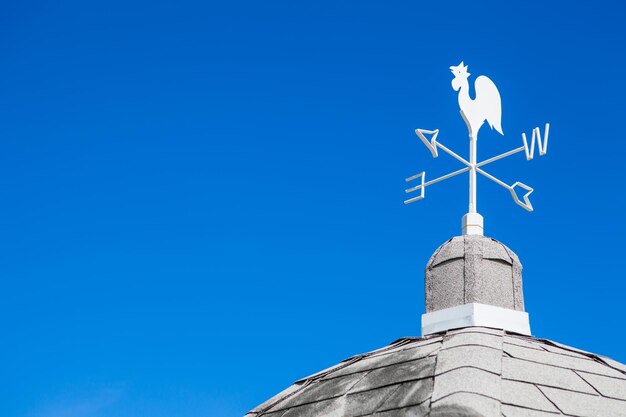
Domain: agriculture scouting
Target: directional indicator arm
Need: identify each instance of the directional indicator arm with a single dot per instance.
(542, 145)
(433, 146)
(526, 205)
(423, 185)
(454, 155)
(504, 155)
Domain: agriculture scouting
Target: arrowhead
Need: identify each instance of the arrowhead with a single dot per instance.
(526, 204)
(432, 144)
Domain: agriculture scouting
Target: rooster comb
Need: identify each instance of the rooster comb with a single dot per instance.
(461, 68)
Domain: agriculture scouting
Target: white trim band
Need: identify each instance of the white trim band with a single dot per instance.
(475, 314)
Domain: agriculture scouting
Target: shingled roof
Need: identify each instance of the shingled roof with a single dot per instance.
(473, 371)
(476, 358)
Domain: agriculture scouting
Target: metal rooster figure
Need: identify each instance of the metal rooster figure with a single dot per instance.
(485, 107)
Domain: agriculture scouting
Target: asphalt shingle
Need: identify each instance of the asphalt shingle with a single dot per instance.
(284, 394)
(613, 364)
(321, 390)
(485, 358)
(478, 339)
(466, 404)
(387, 359)
(470, 380)
(485, 330)
(421, 410)
(583, 405)
(409, 393)
(395, 374)
(511, 411)
(525, 395)
(406, 343)
(607, 386)
(272, 414)
(367, 402)
(332, 407)
(562, 361)
(566, 352)
(538, 373)
(522, 342)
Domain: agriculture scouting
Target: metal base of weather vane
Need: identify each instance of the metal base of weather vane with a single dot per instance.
(472, 224)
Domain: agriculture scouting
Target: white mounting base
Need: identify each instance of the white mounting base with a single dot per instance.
(475, 314)
(472, 224)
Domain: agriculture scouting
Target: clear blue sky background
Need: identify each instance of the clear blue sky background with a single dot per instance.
(202, 202)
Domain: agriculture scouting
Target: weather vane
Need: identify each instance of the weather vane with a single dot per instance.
(485, 107)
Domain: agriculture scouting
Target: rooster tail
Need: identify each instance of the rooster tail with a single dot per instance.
(498, 127)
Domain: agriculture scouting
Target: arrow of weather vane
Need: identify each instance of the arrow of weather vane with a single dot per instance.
(485, 107)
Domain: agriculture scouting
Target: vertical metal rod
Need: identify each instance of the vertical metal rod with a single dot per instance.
(472, 174)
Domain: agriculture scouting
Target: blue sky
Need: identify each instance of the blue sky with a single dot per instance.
(202, 202)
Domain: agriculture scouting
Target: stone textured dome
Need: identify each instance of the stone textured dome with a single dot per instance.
(473, 269)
